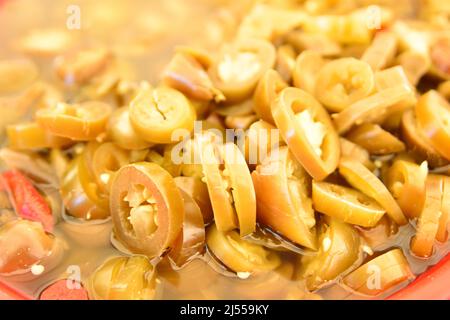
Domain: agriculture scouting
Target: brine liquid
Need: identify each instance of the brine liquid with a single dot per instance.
(144, 33)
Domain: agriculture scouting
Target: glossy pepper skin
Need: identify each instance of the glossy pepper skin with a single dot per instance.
(238, 254)
(433, 118)
(146, 185)
(124, 278)
(418, 143)
(339, 250)
(347, 204)
(29, 203)
(230, 187)
(283, 202)
(227, 74)
(155, 113)
(24, 243)
(406, 181)
(361, 178)
(81, 122)
(285, 109)
(375, 139)
(30, 136)
(190, 243)
(423, 242)
(380, 273)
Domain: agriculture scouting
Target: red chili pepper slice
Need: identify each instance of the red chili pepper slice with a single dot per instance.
(28, 202)
(60, 290)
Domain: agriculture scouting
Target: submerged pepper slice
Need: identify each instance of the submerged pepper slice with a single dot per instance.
(428, 224)
(339, 250)
(191, 240)
(442, 233)
(238, 254)
(60, 290)
(406, 182)
(346, 204)
(146, 208)
(156, 113)
(378, 235)
(75, 121)
(75, 199)
(365, 181)
(283, 199)
(124, 278)
(23, 243)
(106, 160)
(308, 131)
(380, 274)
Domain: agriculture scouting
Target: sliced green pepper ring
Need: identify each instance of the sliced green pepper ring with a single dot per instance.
(82, 122)
(230, 187)
(308, 131)
(238, 254)
(146, 208)
(240, 66)
(156, 113)
(346, 204)
(361, 178)
(371, 107)
(343, 81)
